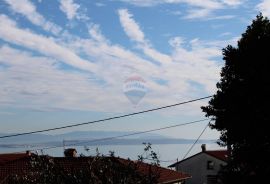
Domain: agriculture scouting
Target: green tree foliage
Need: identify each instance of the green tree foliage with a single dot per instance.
(240, 107)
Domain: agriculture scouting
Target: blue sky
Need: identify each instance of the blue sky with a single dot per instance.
(66, 61)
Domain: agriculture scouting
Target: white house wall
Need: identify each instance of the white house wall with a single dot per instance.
(197, 167)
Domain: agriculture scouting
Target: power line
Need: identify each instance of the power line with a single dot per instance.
(195, 141)
(106, 119)
(125, 135)
(170, 161)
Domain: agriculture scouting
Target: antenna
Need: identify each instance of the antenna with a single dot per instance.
(64, 146)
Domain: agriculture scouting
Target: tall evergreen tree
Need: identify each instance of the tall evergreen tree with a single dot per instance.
(240, 108)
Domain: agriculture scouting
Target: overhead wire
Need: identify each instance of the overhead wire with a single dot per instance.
(106, 119)
(121, 136)
(195, 142)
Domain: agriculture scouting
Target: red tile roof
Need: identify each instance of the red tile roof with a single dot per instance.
(4, 158)
(19, 164)
(165, 175)
(14, 163)
(219, 154)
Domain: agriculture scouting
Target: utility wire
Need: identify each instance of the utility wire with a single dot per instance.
(125, 135)
(195, 142)
(170, 161)
(106, 119)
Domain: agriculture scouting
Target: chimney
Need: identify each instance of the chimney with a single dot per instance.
(28, 153)
(203, 146)
(70, 152)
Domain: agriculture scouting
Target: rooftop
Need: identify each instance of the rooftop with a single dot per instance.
(14, 162)
(5, 158)
(218, 154)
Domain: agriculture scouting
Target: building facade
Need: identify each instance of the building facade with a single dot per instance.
(203, 166)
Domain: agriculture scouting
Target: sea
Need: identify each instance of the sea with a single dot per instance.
(167, 153)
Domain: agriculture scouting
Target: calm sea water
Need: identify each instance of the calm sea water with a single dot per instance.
(168, 153)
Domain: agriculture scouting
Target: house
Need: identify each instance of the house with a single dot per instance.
(203, 166)
(19, 164)
(166, 176)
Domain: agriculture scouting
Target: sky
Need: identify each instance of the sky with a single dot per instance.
(71, 61)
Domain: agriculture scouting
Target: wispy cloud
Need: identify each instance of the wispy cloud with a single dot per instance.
(176, 42)
(36, 82)
(99, 4)
(134, 32)
(69, 8)
(143, 3)
(189, 68)
(186, 72)
(206, 4)
(197, 13)
(95, 33)
(264, 7)
(131, 27)
(47, 46)
(212, 4)
(222, 17)
(73, 10)
(233, 2)
(202, 4)
(197, 3)
(28, 9)
(196, 8)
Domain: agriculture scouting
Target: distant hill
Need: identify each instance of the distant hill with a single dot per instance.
(75, 135)
(85, 138)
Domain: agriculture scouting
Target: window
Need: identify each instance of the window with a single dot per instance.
(210, 165)
(211, 179)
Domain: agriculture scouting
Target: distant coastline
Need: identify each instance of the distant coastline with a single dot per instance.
(90, 138)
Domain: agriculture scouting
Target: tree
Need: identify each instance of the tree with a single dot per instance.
(97, 169)
(240, 107)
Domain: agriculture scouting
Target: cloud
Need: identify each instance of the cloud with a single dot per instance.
(69, 8)
(40, 79)
(196, 8)
(209, 4)
(176, 41)
(95, 33)
(222, 17)
(225, 34)
(99, 4)
(131, 27)
(205, 14)
(37, 82)
(188, 69)
(143, 3)
(47, 46)
(197, 66)
(264, 7)
(134, 32)
(233, 2)
(197, 13)
(27, 9)
(112, 56)
(206, 4)
(197, 3)
(184, 74)
(156, 55)
(73, 11)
